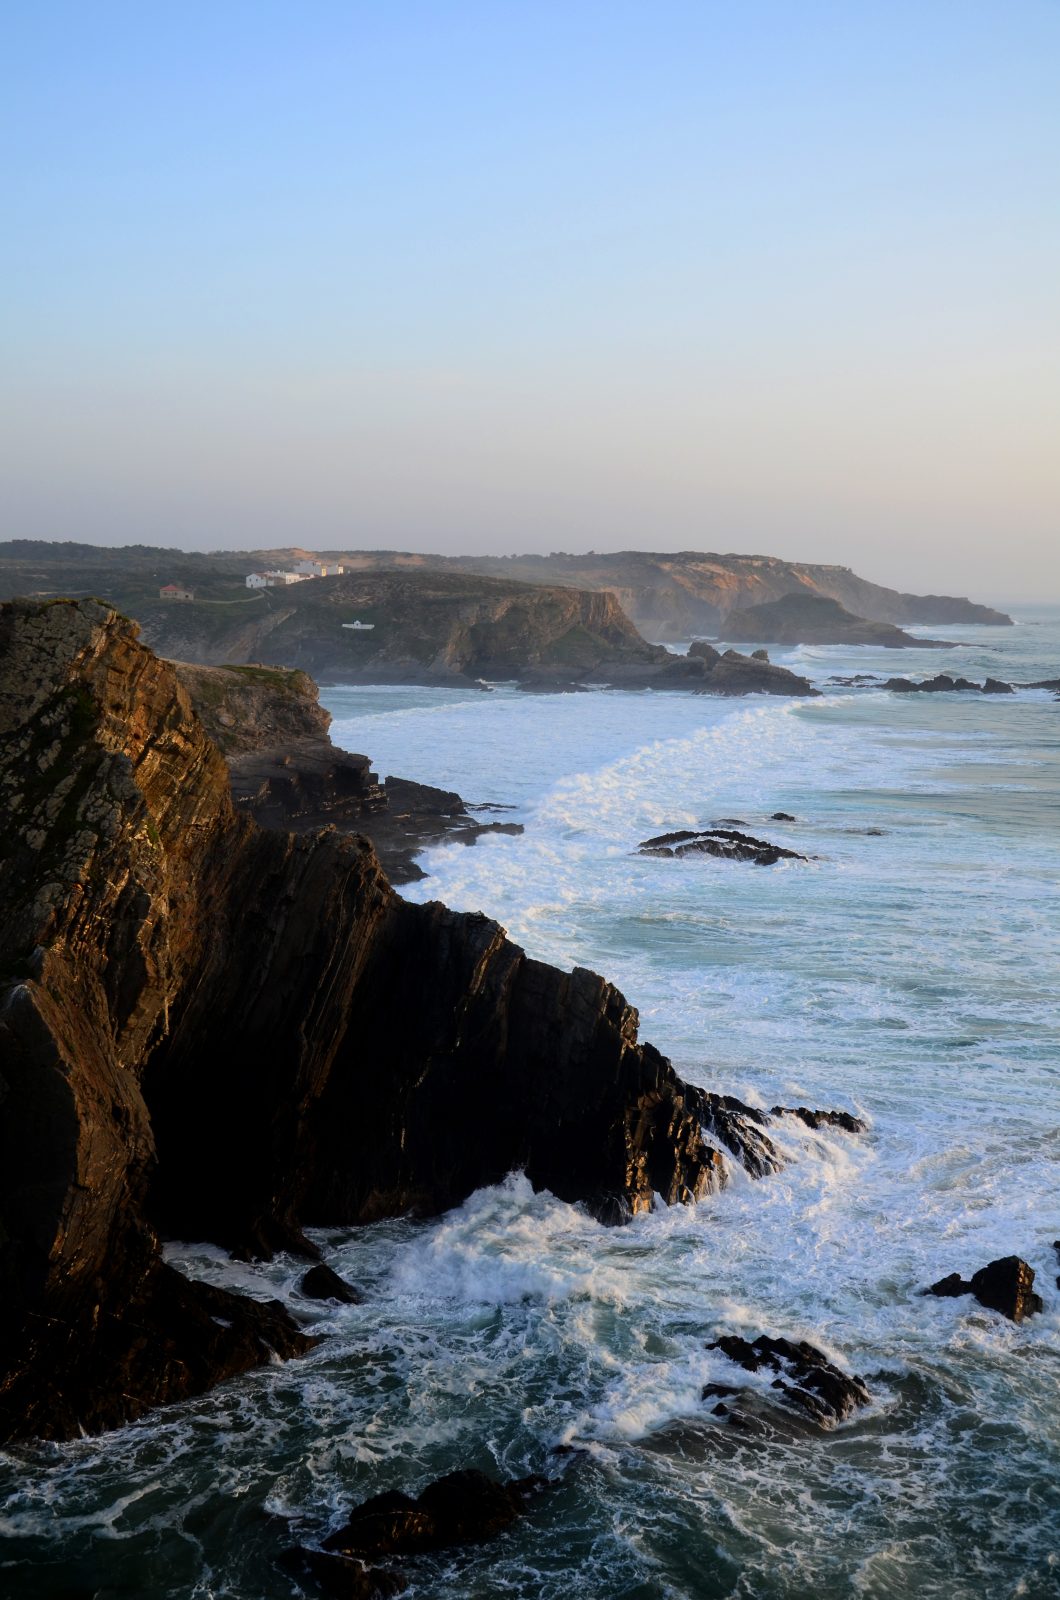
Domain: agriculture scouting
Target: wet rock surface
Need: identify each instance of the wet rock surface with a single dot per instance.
(462, 1508)
(727, 844)
(1005, 1285)
(806, 1381)
(229, 1034)
(942, 683)
(739, 1128)
(822, 1119)
(323, 1283)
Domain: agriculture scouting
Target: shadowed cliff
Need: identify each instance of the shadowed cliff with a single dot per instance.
(231, 1033)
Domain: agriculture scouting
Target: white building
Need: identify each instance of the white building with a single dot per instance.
(272, 580)
(318, 569)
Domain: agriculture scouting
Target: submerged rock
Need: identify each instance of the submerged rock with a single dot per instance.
(822, 1119)
(728, 844)
(321, 1283)
(464, 1507)
(1005, 1285)
(806, 1380)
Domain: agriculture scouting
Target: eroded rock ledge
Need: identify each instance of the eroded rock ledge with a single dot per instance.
(230, 1034)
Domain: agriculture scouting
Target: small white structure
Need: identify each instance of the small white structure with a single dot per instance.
(175, 591)
(360, 627)
(318, 569)
(272, 580)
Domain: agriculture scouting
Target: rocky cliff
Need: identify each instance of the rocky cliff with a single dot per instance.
(689, 592)
(231, 1034)
(805, 618)
(254, 707)
(285, 773)
(420, 626)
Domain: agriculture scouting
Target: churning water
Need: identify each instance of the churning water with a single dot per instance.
(909, 972)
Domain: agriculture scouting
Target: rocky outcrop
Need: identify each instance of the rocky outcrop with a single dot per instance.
(728, 844)
(424, 627)
(323, 1283)
(285, 773)
(229, 1034)
(806, 1381)
(739, 1128)
(1005, 1285)
(822, 1119)
(703, 670)
(464, 1507)
(942, 683)
(806, 618)
(254, 707)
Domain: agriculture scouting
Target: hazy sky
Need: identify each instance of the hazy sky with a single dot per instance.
(539, 274)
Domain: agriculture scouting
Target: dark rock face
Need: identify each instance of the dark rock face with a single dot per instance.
(733, 673)
(739, 1128)
(1005, 1285)
(782, 816)
(704, 651)
(807, 618)
(943, 684)
(727, 844)
(462, 1508)
(306, 782)
(424, 626)
(806, 1380)
(822, 1119)
(703, 670)
(323, 1283)
(232, 1033)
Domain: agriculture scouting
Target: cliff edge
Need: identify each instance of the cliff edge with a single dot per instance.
(229, 1034)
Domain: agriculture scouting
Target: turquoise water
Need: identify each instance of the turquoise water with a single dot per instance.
(909, 973)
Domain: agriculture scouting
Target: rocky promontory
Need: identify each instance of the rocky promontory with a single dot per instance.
(806, 618)
(675, 595)
(401, 627)
(445, 627)
(285, 772)
(218, 1032)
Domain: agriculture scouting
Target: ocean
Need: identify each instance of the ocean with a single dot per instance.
(909, 972)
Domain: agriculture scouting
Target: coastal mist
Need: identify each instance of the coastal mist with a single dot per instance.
(905, 972)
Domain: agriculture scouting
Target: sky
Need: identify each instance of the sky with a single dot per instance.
(774, 276)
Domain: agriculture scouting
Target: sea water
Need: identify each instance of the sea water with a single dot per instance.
(909, 972)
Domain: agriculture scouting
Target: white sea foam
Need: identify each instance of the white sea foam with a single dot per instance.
(908, 975)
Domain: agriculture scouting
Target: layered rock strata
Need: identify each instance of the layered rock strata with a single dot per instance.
(230, 1034)
(286, 773)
